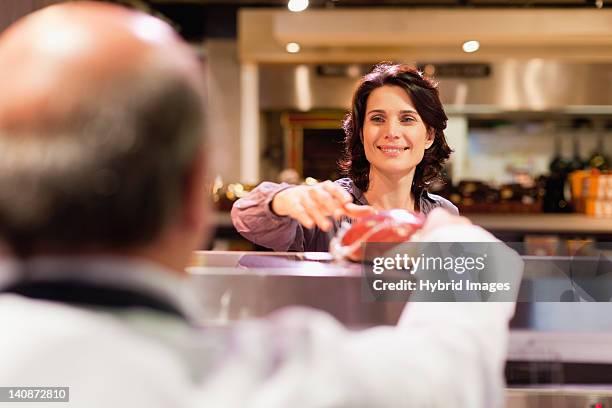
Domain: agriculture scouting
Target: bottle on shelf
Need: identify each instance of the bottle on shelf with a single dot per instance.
(599, 160)
(580, 126)
(558, 165)
(555, 200)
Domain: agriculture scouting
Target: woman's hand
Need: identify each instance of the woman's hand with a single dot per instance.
(312, 205)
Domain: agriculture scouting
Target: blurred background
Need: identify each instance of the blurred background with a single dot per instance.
(527, 86)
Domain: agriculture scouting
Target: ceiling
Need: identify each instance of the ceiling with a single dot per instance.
(396, 3)
(200, 19)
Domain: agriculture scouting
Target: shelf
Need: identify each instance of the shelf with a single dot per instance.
(523, 223)
(543, 223)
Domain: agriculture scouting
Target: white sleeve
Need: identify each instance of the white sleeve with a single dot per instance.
(465, 343)
(440, 354)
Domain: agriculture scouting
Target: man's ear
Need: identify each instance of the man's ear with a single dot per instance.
(196, 200)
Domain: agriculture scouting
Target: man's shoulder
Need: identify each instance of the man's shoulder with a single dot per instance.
(80, 344)
(87, 328)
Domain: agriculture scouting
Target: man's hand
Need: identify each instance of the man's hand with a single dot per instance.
(311, 205)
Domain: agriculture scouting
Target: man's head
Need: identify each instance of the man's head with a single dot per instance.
(101, 125)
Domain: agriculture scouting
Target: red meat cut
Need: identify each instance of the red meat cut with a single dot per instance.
(393, 226)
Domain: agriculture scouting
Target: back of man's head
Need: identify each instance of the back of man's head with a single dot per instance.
(100, 121)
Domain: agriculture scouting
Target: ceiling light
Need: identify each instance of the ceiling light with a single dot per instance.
(292, 47)
(353, 71)
(297, 5)
(429, 70)
(470, 46)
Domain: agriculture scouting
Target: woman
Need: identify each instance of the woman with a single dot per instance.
(394, 148)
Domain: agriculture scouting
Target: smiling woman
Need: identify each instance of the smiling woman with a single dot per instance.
(396, 107)
(394, 148)
(394, 140)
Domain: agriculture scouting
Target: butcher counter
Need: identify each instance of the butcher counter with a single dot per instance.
(560, 353)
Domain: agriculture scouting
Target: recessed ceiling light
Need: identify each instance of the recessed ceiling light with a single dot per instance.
(471, 46)
(429, 70)
(292, 47)
(297, 5)
(353, 71)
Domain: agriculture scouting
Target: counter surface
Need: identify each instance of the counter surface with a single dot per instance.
(543, 223)
(549, 341)
(236, 285)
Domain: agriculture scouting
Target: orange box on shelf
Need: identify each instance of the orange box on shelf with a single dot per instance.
(577, 183)
(598, 207)
(597, 186)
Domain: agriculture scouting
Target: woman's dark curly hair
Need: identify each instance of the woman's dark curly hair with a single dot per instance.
(424, 95)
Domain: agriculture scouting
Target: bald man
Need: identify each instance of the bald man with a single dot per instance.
(102, 200)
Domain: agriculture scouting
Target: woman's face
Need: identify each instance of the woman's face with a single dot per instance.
(394, 135)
